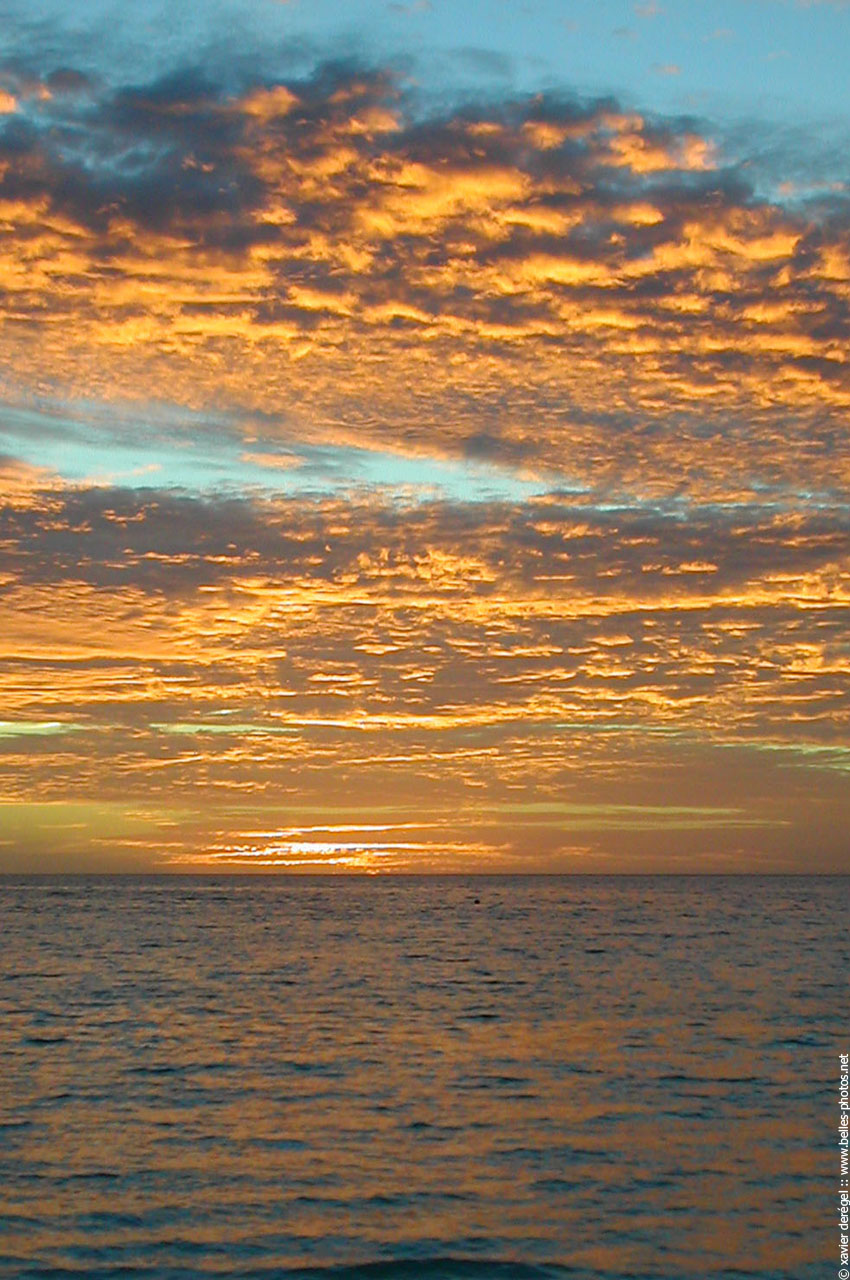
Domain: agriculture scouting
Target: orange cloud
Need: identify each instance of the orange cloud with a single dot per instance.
(328, 261)
(570, 293)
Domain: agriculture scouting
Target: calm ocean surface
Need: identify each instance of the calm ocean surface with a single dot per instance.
(403, 1077)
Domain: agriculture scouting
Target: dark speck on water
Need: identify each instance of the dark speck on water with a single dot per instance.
(359, 1079)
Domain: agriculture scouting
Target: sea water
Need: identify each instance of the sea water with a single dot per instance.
(438, 1077)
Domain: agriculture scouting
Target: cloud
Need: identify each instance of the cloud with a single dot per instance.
(560, 651)
(321, 267)
(319, 249)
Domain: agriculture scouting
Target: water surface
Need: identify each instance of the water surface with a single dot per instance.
(514, 1078)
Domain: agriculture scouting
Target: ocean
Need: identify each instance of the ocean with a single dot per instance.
(342, 1077)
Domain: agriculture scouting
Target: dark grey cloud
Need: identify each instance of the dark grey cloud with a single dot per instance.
(106, 536)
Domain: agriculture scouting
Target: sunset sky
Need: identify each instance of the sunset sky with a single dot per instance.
(424, 435)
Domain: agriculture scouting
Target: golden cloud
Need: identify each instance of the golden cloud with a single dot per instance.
(324, 258)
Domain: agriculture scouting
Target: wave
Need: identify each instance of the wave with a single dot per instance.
(435, 1269)
(390, 1269)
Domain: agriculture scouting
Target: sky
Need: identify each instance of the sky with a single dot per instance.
(424, 436)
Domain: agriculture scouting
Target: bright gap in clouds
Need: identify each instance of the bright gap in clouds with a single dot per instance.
(203, 457)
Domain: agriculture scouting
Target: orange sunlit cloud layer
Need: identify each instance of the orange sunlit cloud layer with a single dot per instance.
(639, 662)
(543, 283)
